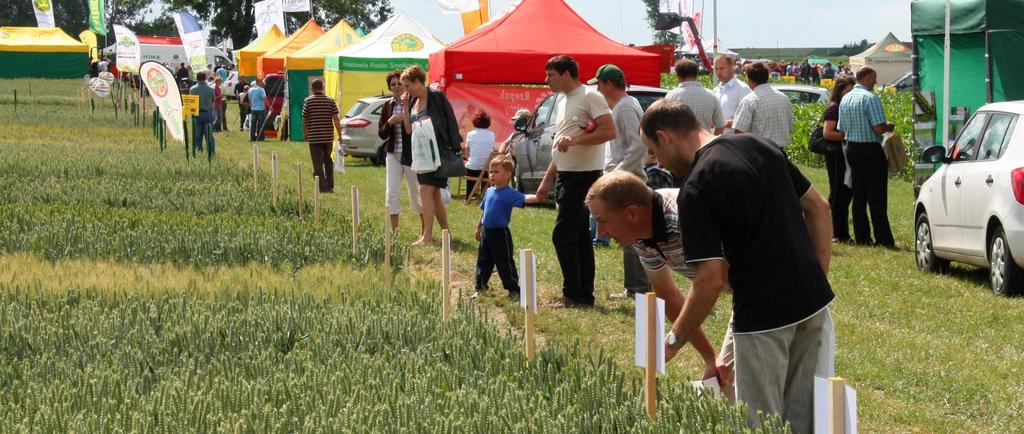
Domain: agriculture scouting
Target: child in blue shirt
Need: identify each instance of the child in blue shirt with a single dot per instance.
(492, 230)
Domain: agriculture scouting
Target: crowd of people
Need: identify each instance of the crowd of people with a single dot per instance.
(699, 185)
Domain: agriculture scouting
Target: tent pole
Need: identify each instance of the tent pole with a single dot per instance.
(945, 82)
(988, 69)
(714, 43)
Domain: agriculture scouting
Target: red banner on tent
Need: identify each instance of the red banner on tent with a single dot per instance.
(499, 102)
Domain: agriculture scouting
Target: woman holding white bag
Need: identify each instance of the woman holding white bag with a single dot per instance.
(428, 107)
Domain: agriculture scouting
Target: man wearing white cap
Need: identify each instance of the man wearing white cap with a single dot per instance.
(506, 146)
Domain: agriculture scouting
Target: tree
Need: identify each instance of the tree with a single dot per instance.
(234, 18)
(659, 37)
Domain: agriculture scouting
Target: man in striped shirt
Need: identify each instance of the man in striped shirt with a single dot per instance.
(636, 216)
(319, 122)
(765, 112)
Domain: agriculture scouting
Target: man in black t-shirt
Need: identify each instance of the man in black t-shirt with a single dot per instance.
(745, 204)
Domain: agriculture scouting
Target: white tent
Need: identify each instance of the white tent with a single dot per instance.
(889, 57)
(360, 70)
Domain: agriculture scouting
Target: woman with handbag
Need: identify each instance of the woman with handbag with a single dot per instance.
(839, 192)
(429, 105)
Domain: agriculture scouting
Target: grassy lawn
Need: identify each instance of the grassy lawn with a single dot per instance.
(927, 353)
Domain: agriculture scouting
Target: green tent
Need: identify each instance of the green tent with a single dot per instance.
(41, 52)
(978, 28)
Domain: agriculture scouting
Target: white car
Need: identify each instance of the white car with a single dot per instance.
(971, 210)
(802, 93)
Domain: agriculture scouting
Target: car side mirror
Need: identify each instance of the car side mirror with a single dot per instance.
(521, 124)
(935, 154)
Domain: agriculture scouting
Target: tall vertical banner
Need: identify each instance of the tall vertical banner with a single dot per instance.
(44, 13)
(161, 85)
(127, 49)
(98, 17)
(268, 13)
(295, 6)
(192, 39)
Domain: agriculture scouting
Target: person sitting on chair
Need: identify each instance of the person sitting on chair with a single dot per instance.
(479, 145)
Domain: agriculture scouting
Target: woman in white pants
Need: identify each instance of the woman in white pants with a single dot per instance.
(398, 154)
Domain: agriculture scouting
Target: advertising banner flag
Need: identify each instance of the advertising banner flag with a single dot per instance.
(295, 5)
(98, 17)
(499, 102)
(192, 38)
(44, 13)
(126, 46)
(268, 13)
(89, 38)
(161, 85)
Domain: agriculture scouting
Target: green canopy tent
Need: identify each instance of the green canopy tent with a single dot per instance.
(986, 37)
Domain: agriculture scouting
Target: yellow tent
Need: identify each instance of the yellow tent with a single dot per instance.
(246, 57)
(41, 52)
(273, 60)
(307, 64)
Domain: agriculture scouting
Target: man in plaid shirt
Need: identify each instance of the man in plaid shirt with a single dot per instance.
(765, 112)
(862, 120)
(690, 92)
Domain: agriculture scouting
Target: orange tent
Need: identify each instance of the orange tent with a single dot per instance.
(273, 60)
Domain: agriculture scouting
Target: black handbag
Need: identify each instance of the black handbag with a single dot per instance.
(452, 165)
(817, 143)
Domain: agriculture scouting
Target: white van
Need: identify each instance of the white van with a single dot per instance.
(168, 50)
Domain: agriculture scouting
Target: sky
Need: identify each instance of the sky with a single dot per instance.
(743, 23)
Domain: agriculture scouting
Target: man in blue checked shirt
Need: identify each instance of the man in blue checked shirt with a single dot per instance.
(862, 119)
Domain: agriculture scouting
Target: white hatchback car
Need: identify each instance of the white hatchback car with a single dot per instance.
(971, 209)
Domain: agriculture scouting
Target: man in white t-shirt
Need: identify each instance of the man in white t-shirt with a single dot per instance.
(730, 90)
(577, 160)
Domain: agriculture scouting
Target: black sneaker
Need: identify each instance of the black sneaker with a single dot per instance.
(513, 295)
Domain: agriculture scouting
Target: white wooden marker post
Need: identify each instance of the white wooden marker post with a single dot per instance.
(316, 200)
(298, 169)
(273, 177)
(651, 370)
(255, 166)
(387, 254)
(355, 218)
(446, 274)
(529, 294)
(837, 406)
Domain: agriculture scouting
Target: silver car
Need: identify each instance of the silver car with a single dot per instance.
(359, 129)
(533, 143)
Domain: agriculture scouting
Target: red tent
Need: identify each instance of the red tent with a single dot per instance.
(514, 48)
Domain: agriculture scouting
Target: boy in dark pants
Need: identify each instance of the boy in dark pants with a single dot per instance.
(492, 230)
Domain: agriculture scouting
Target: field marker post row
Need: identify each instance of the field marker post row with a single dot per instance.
(529, 298)
(387, 251)
(355, 219)
(273, 178)
(651, 370)
(255, 166)
(446, 274)
(316, 200)
(298, 169)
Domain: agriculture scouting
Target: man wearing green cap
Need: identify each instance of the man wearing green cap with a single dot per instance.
(626, 153)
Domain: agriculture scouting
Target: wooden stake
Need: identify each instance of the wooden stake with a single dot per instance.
(836, 406)
(355, 218)
(316, 200)
(387, 252)
(273, 177)
(255, 166)
(298, 168)
(528, 291)
(651, 370)
(446, 274)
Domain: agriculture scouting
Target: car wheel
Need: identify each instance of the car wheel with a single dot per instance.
(926, 259)
(1004, 274)
(378, 159)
